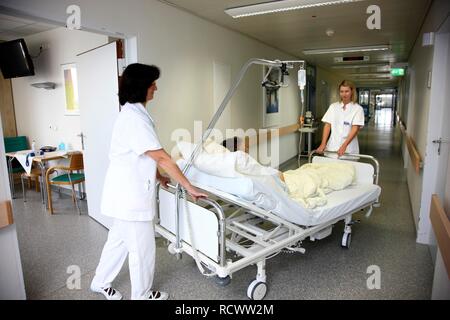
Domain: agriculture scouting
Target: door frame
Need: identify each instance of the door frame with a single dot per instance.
(94, 200)
(439, 84)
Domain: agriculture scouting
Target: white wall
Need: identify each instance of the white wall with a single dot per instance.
(11, 277)
(185, 48)
(418, 102)
(38, 109)
(326, 93)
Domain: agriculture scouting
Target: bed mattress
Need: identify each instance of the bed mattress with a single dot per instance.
(268, 194)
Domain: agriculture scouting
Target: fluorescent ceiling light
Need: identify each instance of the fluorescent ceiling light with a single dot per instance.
(375, 74)
(374, 78)
(354, 66)
(368, 75)
(280, 6)
(346, 50)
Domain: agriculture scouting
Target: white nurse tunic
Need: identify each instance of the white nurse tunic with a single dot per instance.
(341, 121)
(129, 198)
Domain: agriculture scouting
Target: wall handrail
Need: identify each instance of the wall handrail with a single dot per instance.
(441, 226)
(412, 149)
(282, 131)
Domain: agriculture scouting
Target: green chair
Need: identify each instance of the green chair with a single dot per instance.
(71, 178)
(13, 144)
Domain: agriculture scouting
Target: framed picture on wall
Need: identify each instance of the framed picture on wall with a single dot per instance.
(271, 97)
(70, 84)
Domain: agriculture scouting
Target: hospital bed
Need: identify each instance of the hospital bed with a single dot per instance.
(245, 221)
(227, 232)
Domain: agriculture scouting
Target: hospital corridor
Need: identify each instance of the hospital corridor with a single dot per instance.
(326, 271)
(209, 151)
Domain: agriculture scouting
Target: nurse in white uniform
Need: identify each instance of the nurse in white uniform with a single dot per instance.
(343, 119)
(129, 189)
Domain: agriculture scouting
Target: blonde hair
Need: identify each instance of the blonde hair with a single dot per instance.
(351, 85)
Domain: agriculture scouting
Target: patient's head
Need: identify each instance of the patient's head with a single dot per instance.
(234, 144)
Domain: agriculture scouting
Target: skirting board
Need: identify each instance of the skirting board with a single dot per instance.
(6, 214)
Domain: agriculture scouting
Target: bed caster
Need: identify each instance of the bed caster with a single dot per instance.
(222, 281)
(174, 251)
(171, 248)
(257, 290)
(346, 240)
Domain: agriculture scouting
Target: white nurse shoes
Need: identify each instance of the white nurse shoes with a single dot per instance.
(109, 293)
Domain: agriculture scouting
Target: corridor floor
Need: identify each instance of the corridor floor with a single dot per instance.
(53, 248)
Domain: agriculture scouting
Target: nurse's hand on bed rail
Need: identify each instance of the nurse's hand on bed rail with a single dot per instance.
(321, 149)
(195, 193)
(341, 150)
(165, 162)
(163, 180)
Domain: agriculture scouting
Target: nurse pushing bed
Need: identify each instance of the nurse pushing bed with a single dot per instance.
(129, 193)
(343, 120)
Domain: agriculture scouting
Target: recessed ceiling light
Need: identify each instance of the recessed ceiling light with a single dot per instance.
(354, 66)
(374, 74)
(374, 78)
(383, 47)
(281, 6)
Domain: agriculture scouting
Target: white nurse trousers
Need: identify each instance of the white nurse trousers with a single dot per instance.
(137, 240)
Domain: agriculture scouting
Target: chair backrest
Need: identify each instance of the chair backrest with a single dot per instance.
(76, 161)
(13, 144)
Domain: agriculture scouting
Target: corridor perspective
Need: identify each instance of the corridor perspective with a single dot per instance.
(160, 149)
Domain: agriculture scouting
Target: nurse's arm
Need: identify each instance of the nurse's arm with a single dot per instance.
(165, 162)
(325, 135)
(353, 132)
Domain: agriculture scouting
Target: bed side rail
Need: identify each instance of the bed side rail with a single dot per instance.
(216, 209)
(373, 161)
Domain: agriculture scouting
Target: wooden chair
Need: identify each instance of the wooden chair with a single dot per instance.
(70, 178)
(35, 175)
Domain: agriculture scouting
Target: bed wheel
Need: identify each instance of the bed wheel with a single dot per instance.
(222, 281)
(257, 290)
(346, 240)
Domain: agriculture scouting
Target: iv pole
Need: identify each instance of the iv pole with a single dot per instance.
(206, 134)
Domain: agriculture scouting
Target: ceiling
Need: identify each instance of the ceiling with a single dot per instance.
(13, 28)
(298, 30)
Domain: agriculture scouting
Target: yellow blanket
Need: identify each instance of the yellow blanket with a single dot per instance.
(309, 183)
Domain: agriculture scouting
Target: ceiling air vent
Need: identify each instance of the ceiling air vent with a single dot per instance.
(351, 59)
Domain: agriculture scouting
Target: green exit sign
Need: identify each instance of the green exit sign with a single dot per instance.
(396, 72)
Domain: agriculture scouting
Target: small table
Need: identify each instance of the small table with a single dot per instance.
(309, 131)
(42, 162)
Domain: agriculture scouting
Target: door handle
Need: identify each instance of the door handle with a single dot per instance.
(439, 142)
(82, 136)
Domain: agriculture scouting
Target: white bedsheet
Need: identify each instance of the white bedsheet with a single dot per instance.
(266, 193)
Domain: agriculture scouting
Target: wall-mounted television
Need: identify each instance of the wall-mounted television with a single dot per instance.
(15, 61)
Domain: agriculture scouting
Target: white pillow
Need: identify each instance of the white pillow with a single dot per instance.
(222, 162)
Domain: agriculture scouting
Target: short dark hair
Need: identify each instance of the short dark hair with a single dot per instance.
(232, 144)
(135, 81)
